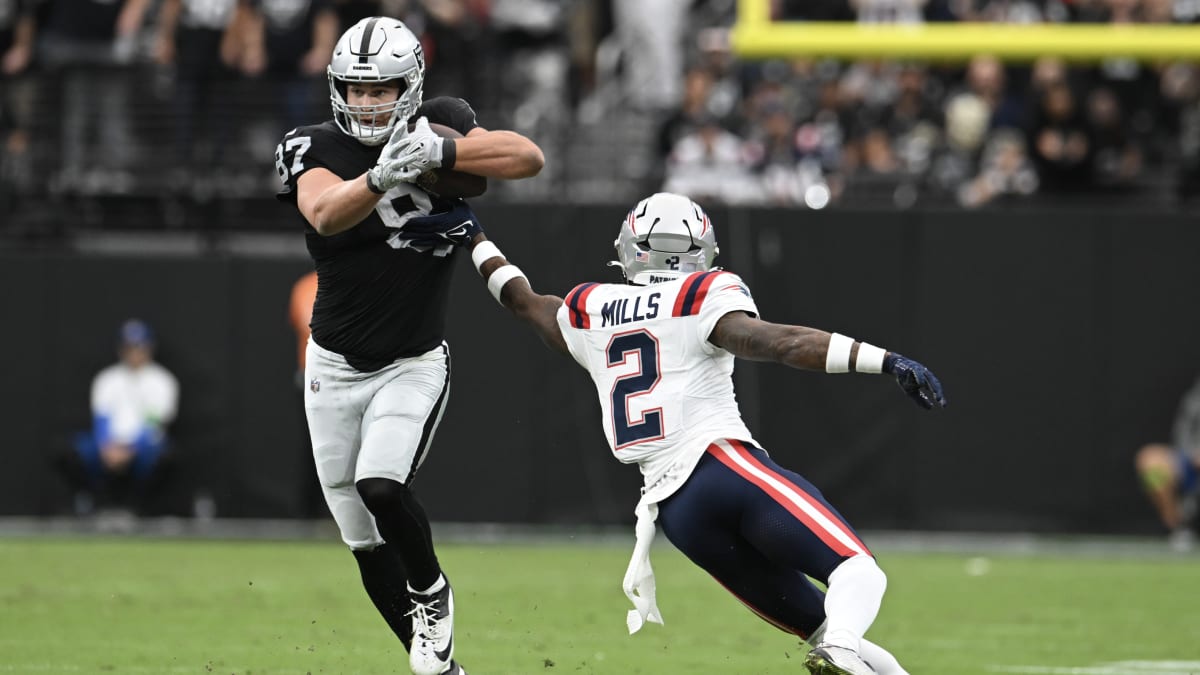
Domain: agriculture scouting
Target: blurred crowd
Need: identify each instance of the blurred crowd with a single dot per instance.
(815, 132)
(151, 97)
(134, 97)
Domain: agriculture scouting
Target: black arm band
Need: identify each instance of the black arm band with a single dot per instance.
(372, 186)
(449, 153)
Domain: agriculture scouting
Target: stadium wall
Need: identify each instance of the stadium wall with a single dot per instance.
(1064, 341)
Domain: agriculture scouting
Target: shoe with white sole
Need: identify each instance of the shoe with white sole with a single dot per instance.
(432, 650)
(829, 660)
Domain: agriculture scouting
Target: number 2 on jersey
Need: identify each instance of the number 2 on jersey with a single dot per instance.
(627, 432)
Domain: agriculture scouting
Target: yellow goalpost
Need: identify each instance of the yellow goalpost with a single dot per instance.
(756, 36)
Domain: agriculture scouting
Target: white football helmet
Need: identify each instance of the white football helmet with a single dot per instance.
(376, 49)
(666, 236)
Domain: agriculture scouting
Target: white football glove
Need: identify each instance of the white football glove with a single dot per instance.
(421, 149)
(390, 169)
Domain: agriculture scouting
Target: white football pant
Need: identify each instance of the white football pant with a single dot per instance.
(370, 425)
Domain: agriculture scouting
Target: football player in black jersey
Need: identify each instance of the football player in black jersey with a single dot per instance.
(378, 370)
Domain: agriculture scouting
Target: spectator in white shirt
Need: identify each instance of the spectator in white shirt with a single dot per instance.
(132, 403)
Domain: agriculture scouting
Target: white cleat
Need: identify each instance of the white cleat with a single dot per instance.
(1182, 540)
(829, 660)
(433, 634)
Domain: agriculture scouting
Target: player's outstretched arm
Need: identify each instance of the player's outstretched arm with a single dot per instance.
(811, 349)
(511, 288)
(753, 339)
(459, 226)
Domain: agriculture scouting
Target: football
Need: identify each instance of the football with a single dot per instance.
(448, 182)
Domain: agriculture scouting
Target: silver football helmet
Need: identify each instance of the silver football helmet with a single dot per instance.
(666, 236)
(376, 49)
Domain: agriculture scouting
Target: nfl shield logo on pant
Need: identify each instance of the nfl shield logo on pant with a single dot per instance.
(315, 385)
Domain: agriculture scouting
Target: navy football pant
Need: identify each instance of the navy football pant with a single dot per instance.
(759, 529)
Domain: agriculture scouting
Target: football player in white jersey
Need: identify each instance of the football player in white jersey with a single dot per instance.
(660, 350)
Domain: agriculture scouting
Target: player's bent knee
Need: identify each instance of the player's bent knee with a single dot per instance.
(862, 568)
(381, 494)
(1152, 455)
(1156, 466)
(362, 546)
(358, 530)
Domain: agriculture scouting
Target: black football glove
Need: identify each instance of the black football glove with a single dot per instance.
(454, 223)
(915, 379)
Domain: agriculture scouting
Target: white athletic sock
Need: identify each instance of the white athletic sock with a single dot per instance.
(880, 659)
(852, 600)
(437, 586)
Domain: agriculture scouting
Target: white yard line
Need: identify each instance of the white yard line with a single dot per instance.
(1113, 668)
(59, 668)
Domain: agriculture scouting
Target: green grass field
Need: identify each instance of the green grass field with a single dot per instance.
(158, 606)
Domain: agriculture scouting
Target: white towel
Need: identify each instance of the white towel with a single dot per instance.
(639, 577)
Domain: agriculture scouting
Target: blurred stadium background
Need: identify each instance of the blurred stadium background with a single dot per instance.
(1005, 189)
(917, 202)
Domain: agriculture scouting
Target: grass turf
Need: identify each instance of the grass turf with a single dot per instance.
(159, 606)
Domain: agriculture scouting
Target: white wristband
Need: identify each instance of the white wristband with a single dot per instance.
(502, 276)
(870, 359)
(484, 251)
(837, 359)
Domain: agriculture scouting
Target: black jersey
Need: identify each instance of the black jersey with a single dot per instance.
(376, 302)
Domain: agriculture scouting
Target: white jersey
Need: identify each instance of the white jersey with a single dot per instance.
(665, 391)
(135, 400)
